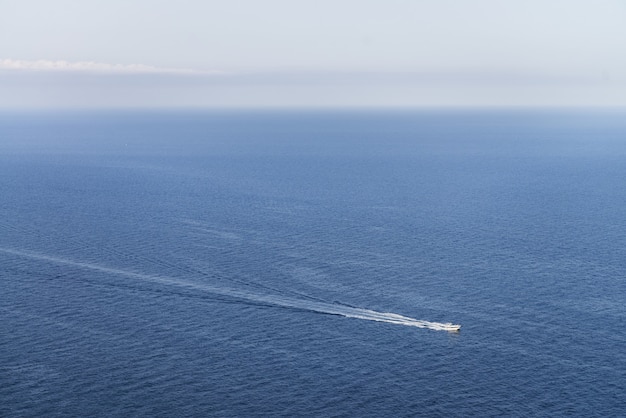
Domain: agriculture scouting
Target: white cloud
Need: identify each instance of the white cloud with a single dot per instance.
(89, 66)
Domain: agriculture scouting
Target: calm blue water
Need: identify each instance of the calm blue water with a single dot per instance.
(198, 264)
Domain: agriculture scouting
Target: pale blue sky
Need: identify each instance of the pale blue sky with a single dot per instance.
(312, 53)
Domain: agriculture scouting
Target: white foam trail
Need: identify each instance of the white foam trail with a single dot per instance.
(275, 300)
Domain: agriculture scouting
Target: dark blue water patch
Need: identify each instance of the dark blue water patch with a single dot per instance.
(120, 232)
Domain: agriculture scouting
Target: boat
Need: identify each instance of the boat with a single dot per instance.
(451, 327)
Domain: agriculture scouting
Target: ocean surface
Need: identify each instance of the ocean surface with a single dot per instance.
(301, 263)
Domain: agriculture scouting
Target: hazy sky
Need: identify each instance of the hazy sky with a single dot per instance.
(312, 53)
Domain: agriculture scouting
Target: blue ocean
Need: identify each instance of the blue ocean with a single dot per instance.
(307, 263)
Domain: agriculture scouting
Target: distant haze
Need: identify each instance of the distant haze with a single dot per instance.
(244, 53)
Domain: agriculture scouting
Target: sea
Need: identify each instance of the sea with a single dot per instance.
(296, 263)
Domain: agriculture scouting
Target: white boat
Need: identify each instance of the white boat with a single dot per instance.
(451, 327)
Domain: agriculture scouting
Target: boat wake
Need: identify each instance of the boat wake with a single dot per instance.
(247, 296)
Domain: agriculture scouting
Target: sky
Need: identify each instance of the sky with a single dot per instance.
(305, 53)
